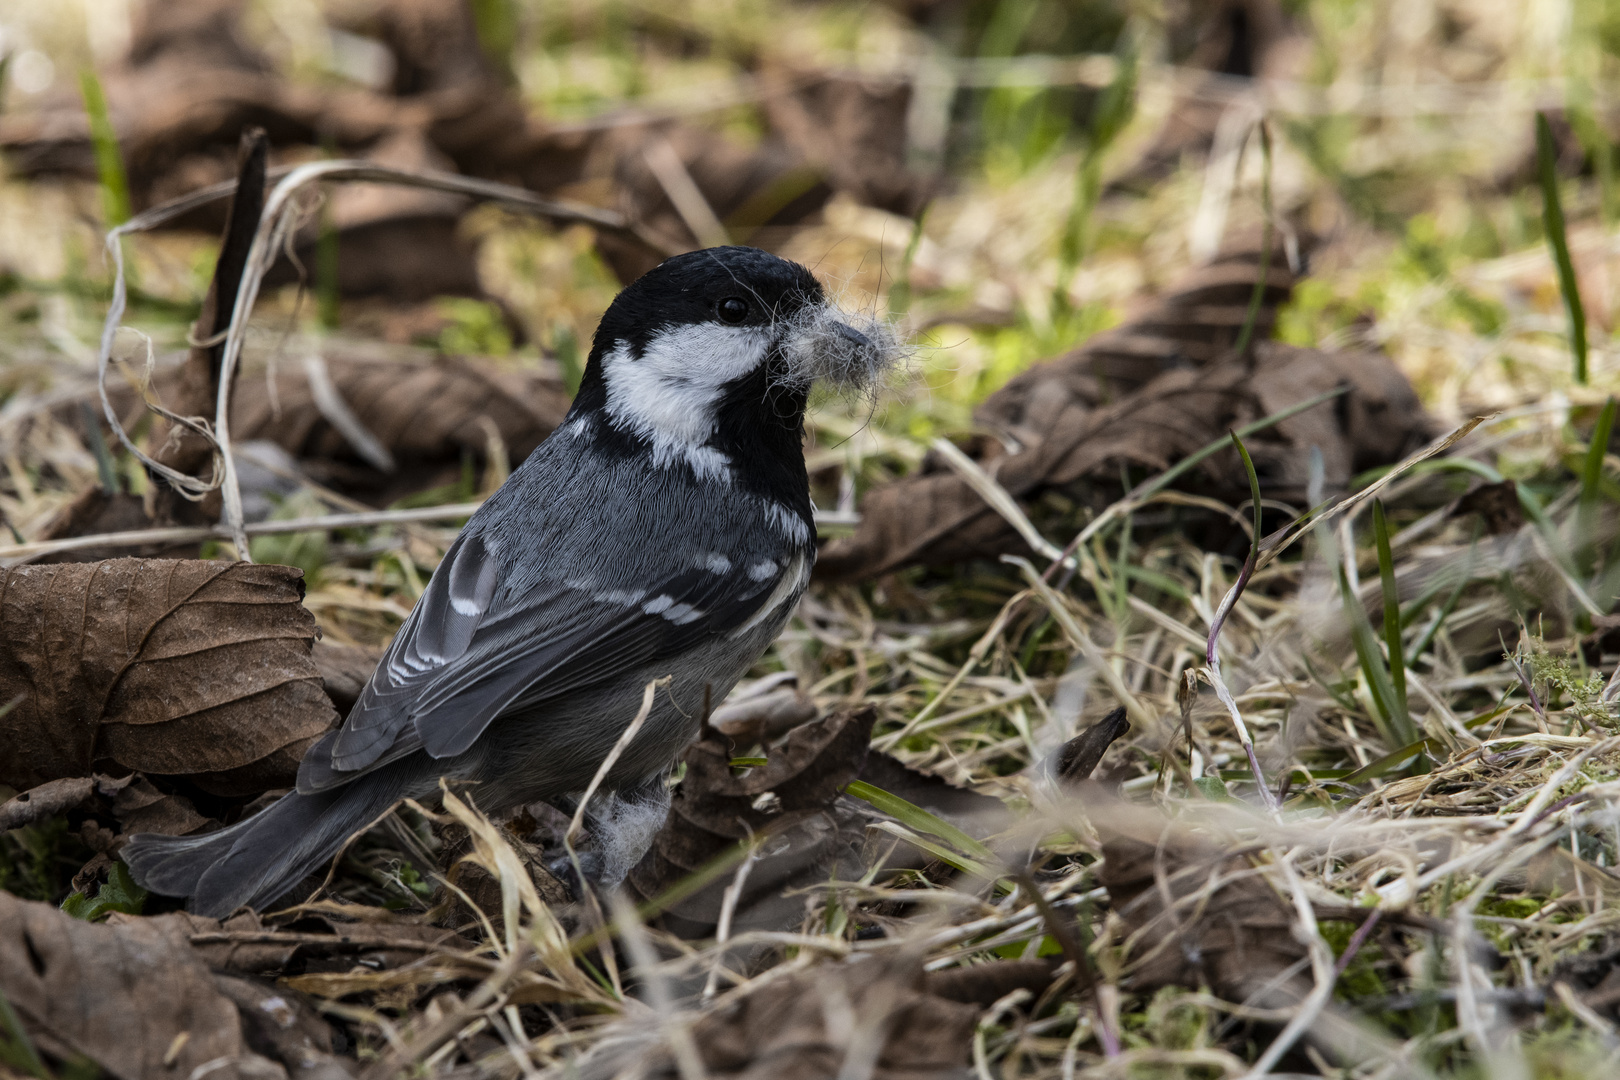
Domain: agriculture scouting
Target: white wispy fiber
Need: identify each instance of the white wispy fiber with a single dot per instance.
(849, 349)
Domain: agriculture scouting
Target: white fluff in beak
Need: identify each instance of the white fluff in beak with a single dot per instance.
(847, 349)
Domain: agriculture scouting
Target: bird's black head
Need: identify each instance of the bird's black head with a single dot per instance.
(730, 289)
(707, 361)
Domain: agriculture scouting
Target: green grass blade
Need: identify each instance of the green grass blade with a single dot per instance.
(326, 270)
(1552, 215)
(16, 1049)
(900, 291)
(1111, 114)
(1254, 490)
(106, 468)
(1392, 610)
(1379, 766)
(938, 851)
(109, 159)
(918, 819)
(1394, 727)
(1591, 486)
(1267, 238)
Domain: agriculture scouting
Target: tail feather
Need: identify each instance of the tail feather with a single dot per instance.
(254, 862)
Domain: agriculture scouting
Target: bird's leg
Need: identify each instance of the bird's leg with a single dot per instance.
(619, 828)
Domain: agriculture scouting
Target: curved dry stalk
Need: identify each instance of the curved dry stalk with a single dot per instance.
(276, 223)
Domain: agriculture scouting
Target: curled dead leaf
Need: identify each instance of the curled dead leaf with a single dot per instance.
(424, 412)
(809, 1025)
(1080, 756)
(1197, 915)
(985, 984)
(853, 128)
(178, 668)
(420, 412)
(1142, 397)
(764, 711)
(45, 801)
(1496, 504)
(132, 997)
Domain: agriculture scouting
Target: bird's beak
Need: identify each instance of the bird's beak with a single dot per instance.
(849, 333)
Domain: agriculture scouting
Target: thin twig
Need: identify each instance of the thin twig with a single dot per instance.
(11, 554)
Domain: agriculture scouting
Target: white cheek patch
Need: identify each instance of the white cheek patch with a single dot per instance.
(667, 395)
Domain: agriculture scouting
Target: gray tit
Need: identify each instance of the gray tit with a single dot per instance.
(664, 529)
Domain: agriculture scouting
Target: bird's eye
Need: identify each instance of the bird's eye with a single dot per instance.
(733, 310)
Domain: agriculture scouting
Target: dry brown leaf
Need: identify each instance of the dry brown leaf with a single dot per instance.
(45, 801)
(139, 807)
(853, 128)
(985, 984)
(1197, 322)
(764, 712)
(180, 668)
(284, 1028)
(131, 997)
(1200, 916)
(1142, 397)
(426, 412)
(187, 88)
(420, 412)
(241, 945)
(404, 244)
(323, 941)
(1079, 757)
(1496, 504)
(477, 892)
(1196, 914)
(791, 798)
(808, 1025)
(190, 85)
(1225, 38)
(95, 511)
(746, 188)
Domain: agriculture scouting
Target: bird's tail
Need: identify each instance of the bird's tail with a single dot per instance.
(256, 861)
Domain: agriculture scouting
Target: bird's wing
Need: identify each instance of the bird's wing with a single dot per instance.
(462, 658)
